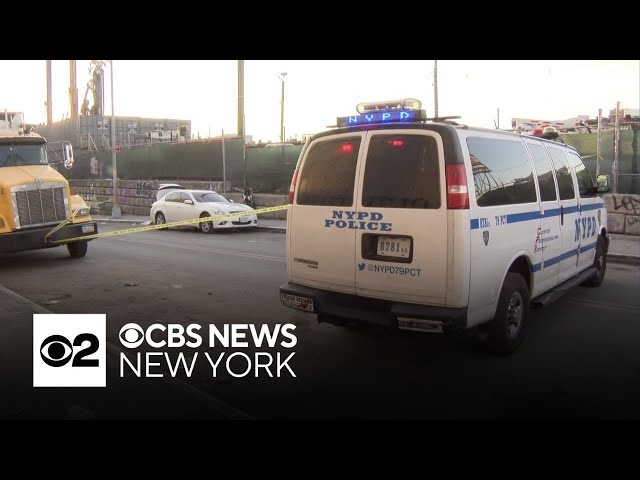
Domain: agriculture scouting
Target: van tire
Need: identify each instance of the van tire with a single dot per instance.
(78, 249)
(600, 262)
(506, 331)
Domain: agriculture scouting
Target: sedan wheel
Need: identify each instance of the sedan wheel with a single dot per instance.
(206, 227)
(160, 220)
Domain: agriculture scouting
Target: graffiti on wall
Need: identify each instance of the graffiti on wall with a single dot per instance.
(145, 190)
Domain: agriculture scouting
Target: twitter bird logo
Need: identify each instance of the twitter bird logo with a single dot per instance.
(361, 266)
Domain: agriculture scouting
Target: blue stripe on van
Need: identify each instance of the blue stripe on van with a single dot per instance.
(587, 247)
(593, 206)
(522, 217)
(552, 212)
(568, 210)
(559, 258)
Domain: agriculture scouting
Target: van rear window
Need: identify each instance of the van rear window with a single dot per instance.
(328, 173)
(402, 171)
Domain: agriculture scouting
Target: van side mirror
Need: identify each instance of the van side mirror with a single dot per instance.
(67, 155)
(603, 183)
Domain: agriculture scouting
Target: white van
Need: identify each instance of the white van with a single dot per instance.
(438, 227)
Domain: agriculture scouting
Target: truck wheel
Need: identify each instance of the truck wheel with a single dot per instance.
(600, 262)
(506, 331)
(78, 249)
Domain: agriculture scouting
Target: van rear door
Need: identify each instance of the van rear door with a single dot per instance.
(321, 240)
(401, 222)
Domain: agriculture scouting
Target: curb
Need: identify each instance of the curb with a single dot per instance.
(119, 220)
(631, 260)
(273, 229)
(148, 222)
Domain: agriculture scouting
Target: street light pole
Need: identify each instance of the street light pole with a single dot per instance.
(115, 211)
(282, 75)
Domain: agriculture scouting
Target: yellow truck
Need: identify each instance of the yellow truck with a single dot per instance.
(37, 207)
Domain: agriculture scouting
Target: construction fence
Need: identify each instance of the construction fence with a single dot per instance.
(266, 169)
(617, 155)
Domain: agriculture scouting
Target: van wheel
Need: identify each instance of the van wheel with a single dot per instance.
(506, 331)
(600, 262)
(161, 220)
(78, 249)
(206, 227)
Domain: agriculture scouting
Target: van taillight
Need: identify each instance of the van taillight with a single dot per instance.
(292, 189)
(457, 191)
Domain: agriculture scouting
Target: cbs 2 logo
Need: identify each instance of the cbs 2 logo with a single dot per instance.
(56, 350)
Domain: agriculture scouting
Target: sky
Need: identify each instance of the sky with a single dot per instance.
(318, 91)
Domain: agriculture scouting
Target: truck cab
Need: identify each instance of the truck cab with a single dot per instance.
(37, 207)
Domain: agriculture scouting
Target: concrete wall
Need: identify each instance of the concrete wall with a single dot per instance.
(623, 213)
(135, 197)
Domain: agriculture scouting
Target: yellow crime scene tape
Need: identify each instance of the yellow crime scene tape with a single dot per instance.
(147, 228)
(59, 226)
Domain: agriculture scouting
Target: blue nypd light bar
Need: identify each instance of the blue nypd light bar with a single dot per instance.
(385, 116)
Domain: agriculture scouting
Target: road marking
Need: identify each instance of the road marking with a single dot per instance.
(209, 400)
(206, 249)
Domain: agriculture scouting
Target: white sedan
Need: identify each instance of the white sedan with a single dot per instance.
(189, 204)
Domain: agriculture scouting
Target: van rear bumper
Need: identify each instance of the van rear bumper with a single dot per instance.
(336, 307)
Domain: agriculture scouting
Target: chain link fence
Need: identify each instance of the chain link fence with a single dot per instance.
(617, 155)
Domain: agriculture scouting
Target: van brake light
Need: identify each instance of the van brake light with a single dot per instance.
(292, 189)
(457, 190)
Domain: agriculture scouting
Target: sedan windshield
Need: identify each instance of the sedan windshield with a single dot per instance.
(204, 197)
(13, 155)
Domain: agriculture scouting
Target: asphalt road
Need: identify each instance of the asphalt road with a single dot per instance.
(581, 358)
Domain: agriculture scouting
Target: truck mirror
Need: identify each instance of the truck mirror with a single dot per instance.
(67, 154)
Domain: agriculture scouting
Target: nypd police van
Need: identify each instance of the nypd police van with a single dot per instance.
(429, 225)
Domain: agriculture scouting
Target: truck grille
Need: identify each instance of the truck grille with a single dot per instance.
(37, 207)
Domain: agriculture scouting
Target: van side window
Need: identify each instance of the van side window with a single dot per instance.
(502, 172)
(329, 172)
(544, 169)
(563, 174)
(402, 171)
(585, 182)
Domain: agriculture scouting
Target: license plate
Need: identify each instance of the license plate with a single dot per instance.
(87, 229)
(244, 219)
(295, 301)
(394, 247)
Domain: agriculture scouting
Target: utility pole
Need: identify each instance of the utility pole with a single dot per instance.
(73, 89)
(599, 144)
(282, 75)
(49, 108)
(241, 98)
(435, 88)
(115, 211)
(224, 166)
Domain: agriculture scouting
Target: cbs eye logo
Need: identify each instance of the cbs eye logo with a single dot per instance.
(64, 345)
(57, 350)
(131, 335)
